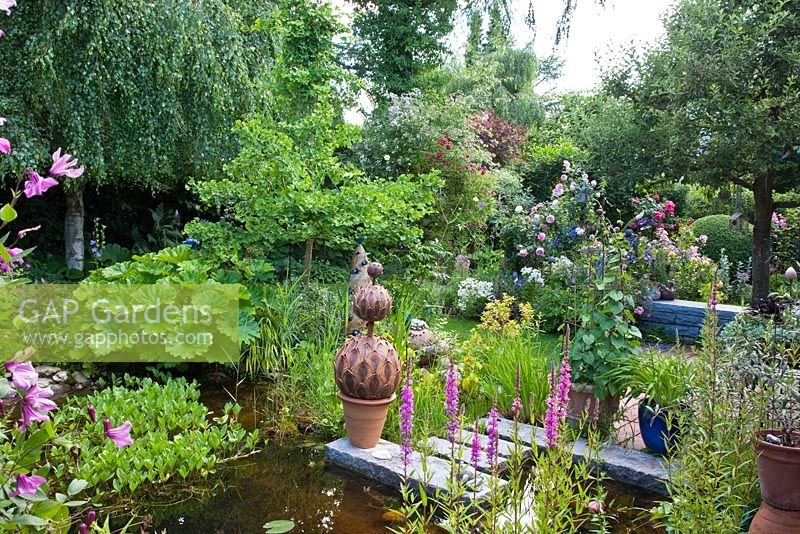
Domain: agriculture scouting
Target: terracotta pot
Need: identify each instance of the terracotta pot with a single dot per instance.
(778, 472)
(364, 419)
(583, 404)
(771, 520)
(667, 293)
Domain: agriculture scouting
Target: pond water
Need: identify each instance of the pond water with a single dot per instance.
(289, 480)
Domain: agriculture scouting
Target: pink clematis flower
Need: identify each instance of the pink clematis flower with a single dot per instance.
(35, 405)
(27, 485)
(6, 5)
(5, 146)
(13, 251)
(23, 375)
(36, 185)
(64, 166)
(121, 435)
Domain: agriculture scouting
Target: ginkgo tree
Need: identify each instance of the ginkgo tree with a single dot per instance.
(288, 185)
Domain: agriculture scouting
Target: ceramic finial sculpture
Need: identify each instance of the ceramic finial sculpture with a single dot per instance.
(358, 279)
(367, 367)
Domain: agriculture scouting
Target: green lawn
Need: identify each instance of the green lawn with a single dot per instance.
(460, 327)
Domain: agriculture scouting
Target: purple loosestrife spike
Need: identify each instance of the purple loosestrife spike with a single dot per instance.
(451, 402)
(92, 413)
(475, 456)
(516, 406)
(90, 517)
(552, 413)
(27, 485)
(713, 301)
(23, 375)
(493, 434)
(121, 435)
(83, 528)
(407, 417)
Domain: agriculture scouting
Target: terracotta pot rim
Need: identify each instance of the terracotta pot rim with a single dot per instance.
(365, 402)
(761, 443)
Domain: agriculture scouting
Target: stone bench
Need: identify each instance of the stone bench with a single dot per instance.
(682, 318)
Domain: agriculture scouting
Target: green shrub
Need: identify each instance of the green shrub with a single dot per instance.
(722, 235)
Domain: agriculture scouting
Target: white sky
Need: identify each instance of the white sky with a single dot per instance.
(596, 33)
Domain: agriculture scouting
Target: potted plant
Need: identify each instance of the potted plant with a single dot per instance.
(777, 445)
(661, 381)
(367, 368)
(605, 340)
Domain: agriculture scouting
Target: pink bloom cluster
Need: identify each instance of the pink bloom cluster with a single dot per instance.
(451, 402)
(406, 417)
(35, 400)
(475, 452)
(493, 434)
(557, 401)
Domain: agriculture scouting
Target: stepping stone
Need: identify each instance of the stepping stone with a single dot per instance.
(433, 477)
(442, 448)
(632, 467)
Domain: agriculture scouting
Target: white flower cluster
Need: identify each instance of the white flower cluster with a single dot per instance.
(470, 290)
(562, 267)
(533, 275)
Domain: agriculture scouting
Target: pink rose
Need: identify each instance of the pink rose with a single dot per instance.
(540, 236)
(522, 253)
(540, 251)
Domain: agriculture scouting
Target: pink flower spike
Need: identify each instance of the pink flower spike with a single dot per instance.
(6, 5)
(23, 375)
(5, 144)
(64, 166)
(27, 485)
(2, 33)
(36, 185)
(121, 435)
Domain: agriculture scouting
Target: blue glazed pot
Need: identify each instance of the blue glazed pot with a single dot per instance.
(653, 427)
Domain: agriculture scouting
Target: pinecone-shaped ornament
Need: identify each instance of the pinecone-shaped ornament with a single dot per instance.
(367, 367)
(372, 303)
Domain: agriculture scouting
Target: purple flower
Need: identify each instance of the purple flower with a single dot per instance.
(64, 166)
(451, 402)
(35, 405)
(83, 528)
(92, 413)
(558, 398)
(121, 435)
(493, 435)
(475, 455)
(5, 144)
(23, 375)
(407, 417)
(35, 185)
(27, 485)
